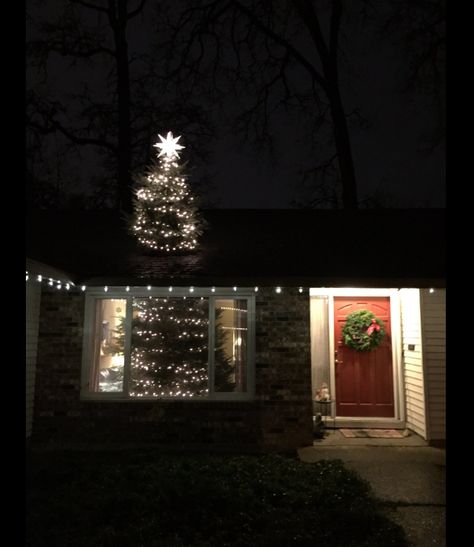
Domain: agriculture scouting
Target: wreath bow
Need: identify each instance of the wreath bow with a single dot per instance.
(373, 327)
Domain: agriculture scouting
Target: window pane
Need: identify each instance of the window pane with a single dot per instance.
(230, 352)
(108, 358)
(169, 347)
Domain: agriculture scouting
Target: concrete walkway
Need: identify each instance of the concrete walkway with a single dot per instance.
(407, 474)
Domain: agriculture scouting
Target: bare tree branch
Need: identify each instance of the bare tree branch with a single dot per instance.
(336, 17)
(283, 43)
(136, 11)
(311, 21)
(56, 126)
(90, 6)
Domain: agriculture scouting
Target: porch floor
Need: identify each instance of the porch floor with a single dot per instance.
(408, 476)
(333, 437)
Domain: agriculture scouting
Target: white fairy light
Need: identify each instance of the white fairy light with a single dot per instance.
(27, 276)
(58, 286)
(67, 286)
(431, 291)
(170, 289)
(256, 289)
(50, 283)
(127, 288)
(213, 289)
(278, 290)
(235, 289)
(149, 287)
(40, 278)
(191, 289)
(300, 289)
(83, 288)
(106, 288)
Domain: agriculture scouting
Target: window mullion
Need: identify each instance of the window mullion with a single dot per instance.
(210, 345)
(127, 347)
(251, 349)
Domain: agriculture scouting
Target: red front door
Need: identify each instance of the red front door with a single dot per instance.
(364, 379)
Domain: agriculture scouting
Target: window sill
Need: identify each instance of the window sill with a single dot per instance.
(101, 398)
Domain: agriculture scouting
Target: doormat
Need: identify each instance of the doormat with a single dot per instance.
(372, 433)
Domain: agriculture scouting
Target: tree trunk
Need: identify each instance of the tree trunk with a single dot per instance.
(327, 51)
(124, 159)
(344, 151)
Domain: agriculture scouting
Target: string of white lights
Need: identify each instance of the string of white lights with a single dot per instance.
(58, 283)
(69, 285)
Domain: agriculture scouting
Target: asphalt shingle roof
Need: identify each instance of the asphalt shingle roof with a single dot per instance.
(319, 247)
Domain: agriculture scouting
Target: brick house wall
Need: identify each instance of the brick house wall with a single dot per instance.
(279, 419)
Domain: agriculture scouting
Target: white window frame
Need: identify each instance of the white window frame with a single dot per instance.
(96, 293)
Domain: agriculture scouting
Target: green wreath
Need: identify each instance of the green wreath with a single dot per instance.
(363, 331)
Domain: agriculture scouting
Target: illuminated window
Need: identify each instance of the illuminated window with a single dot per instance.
(108, 347)
(230, 351)
(162, 346)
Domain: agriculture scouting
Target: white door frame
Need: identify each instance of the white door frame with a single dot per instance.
(398, 386)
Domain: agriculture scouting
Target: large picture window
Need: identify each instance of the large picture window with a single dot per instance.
(161, 346)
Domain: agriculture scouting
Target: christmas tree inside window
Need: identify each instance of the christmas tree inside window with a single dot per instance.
(169, 347)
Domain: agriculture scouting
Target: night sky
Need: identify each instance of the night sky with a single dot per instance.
(389, 158)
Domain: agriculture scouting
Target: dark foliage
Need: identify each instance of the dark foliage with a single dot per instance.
(142, 498)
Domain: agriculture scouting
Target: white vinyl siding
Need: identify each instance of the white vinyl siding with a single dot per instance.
(433, 313)
(33, 297)
(412, 360)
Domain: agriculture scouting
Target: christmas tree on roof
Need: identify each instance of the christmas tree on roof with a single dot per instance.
(166, 217)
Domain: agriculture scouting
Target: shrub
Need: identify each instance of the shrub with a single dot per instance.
(134, 499)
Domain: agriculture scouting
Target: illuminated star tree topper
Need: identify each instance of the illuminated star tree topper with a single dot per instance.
(169, 146)
(165, 216)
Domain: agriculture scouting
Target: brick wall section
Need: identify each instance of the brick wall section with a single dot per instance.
(279, 419)
(32, 301)
(59, 354)
(283, 368)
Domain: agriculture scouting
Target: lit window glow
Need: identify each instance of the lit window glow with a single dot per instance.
(168, 353)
